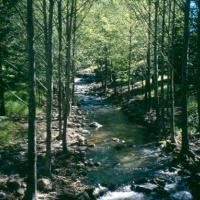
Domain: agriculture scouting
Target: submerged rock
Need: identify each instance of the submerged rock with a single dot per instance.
(95, 125)
(85, 131)
(146, 188)
(182, 195)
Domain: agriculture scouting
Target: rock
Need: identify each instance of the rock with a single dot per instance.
(85, 131)
(21, 192)
(95, 125)
(3, 184)
(44, 184)
(82, 148)
(182, 195)
(116, 140)
(97, 164)
(83, 196)
(13, 185)
(100, 190)
(146, 188)
(2, 195)
(70, 124)
(161, 191)
(81, 139)
(159, 182)
(80, 165)
(91, 145)
(65, 195)
(184, 172)
(78, 125)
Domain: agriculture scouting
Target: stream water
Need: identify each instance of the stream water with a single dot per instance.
(121, 148)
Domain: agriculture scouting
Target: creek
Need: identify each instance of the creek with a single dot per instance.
(126, 158)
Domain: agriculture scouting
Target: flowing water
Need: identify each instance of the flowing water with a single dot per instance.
(123, 151)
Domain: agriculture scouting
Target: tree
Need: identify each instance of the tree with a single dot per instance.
(163, 65)
(148, 75)
(129, 60)
(172, 66)
(67, 93)
(184, 89)
(2, 101)
(156, 59)
(49, 69)
(60, 61)
(32, 153)
(198, 63)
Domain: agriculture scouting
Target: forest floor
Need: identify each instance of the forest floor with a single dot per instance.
(67, 172)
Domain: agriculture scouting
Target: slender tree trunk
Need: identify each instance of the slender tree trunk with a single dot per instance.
(31, 193)
(106, 70)
(162, 68)
(185, 140)
(73, 51)
(129, 61)
(2, 101)
(156, 60)
(198, 64)
(67, 73)
(60, 67)
(49, 87)
(148, 81)
(172, 119)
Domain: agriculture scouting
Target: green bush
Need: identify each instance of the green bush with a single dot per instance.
(10, 131)
(16, 109)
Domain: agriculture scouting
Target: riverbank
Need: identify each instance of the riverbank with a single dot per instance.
(67, 171)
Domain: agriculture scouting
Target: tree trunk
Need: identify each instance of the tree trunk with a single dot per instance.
(2, 101)
(73, 51)
(156, 60)
(162, 68)
(148, 81)
(31, 193)
(129, 61)
(60, 67)
(185, 140)
(49, 69)
(198, 64)
(172, 120)
(66, 110)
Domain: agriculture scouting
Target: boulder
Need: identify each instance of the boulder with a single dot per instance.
(44, 184)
